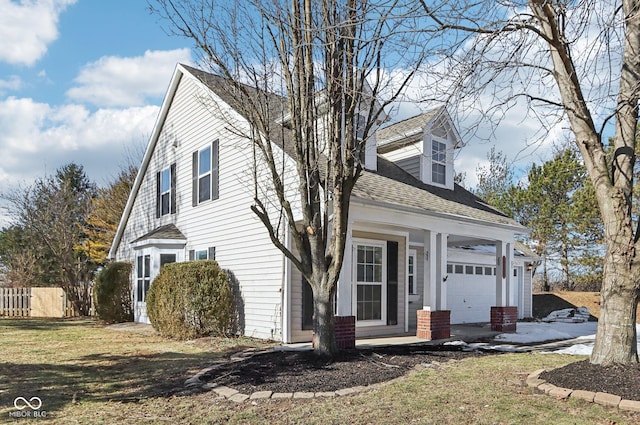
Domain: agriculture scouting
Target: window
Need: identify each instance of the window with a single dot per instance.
(166, 191)
(459, 269)
(478, 270)
(203, 254)
(205, 163)
(468, 269)
(411, 275)
(167, 258)
(370, 282)
(449, 268)
(143, 266)
(438, 162)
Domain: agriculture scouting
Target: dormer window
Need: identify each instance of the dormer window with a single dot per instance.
(438, 162)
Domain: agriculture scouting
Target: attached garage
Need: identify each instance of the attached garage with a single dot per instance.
(471, 283)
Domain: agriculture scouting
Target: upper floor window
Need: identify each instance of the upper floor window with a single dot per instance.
(166, 191)
(438, 162)
(205, 174)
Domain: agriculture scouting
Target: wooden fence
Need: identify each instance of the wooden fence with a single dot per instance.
(36, 302)
(15, 302)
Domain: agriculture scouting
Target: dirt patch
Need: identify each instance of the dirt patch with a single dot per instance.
(546, 302)
(291, 371)
(620, 380)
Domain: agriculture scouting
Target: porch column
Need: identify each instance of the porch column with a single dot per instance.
(345, 287)
(503, 316)
(429, 270)
(441, 271)
(434, 322)
(504, 272)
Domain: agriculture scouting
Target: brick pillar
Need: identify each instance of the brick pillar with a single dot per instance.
(503, 319)
(434, 324)
(345, 331)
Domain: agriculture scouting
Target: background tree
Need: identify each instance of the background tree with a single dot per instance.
(575, 62)
(329, 62)
(558, 205)
(495, 182)
(106, 210)
(51, 214)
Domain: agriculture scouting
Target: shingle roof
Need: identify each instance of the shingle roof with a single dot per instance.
(390, 184)
(168, 231)
(407, 127)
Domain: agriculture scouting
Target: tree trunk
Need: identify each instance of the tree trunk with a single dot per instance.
(616, 336)
(323, 323)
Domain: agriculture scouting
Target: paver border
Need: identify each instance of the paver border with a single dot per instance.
(604, 399)
(197, 384)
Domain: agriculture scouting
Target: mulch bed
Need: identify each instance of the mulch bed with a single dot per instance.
(620, 380)
(292, 371)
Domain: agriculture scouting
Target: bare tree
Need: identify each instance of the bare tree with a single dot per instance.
(576, 63)
(50, 214)
(327, 63)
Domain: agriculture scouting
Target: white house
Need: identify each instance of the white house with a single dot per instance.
(432, 246)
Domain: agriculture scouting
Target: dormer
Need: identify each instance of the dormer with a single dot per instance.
(423, 146)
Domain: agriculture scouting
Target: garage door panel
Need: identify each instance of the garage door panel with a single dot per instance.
(470, 297)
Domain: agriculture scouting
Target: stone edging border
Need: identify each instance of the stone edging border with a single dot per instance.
(604, 399)
(195, 384)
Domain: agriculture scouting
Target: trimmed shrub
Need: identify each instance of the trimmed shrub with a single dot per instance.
(112, 293)
(190, 300)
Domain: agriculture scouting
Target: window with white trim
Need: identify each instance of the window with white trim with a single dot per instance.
(166, 191)
(411, 272)
(438, 162)
(205, 164)
(202, 254)
(143, 274)
(370, 282)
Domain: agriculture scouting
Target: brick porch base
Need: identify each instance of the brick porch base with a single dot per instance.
(434, 324)
(503, 319)
(345, 330)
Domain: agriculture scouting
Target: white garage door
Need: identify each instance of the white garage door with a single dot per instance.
(471, 291)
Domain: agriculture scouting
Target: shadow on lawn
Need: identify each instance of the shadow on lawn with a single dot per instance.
(99, 377)
(39, 324)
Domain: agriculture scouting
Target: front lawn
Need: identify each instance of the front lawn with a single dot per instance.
(87, 374)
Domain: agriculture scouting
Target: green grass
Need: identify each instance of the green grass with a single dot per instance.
(88, 374)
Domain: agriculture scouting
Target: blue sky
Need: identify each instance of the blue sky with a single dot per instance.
(83, 80)
(80, 80)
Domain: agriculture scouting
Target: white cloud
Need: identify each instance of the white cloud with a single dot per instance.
(27, 28)
(13, 83)
(37, 138)
(118, 81)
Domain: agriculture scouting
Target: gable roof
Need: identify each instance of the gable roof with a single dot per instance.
(389, 185)
(411, 129)
(406, 127)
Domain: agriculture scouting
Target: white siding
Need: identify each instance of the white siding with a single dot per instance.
(411, 165)
(241, 241)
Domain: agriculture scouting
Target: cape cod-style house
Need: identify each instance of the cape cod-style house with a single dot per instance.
(422, 252)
